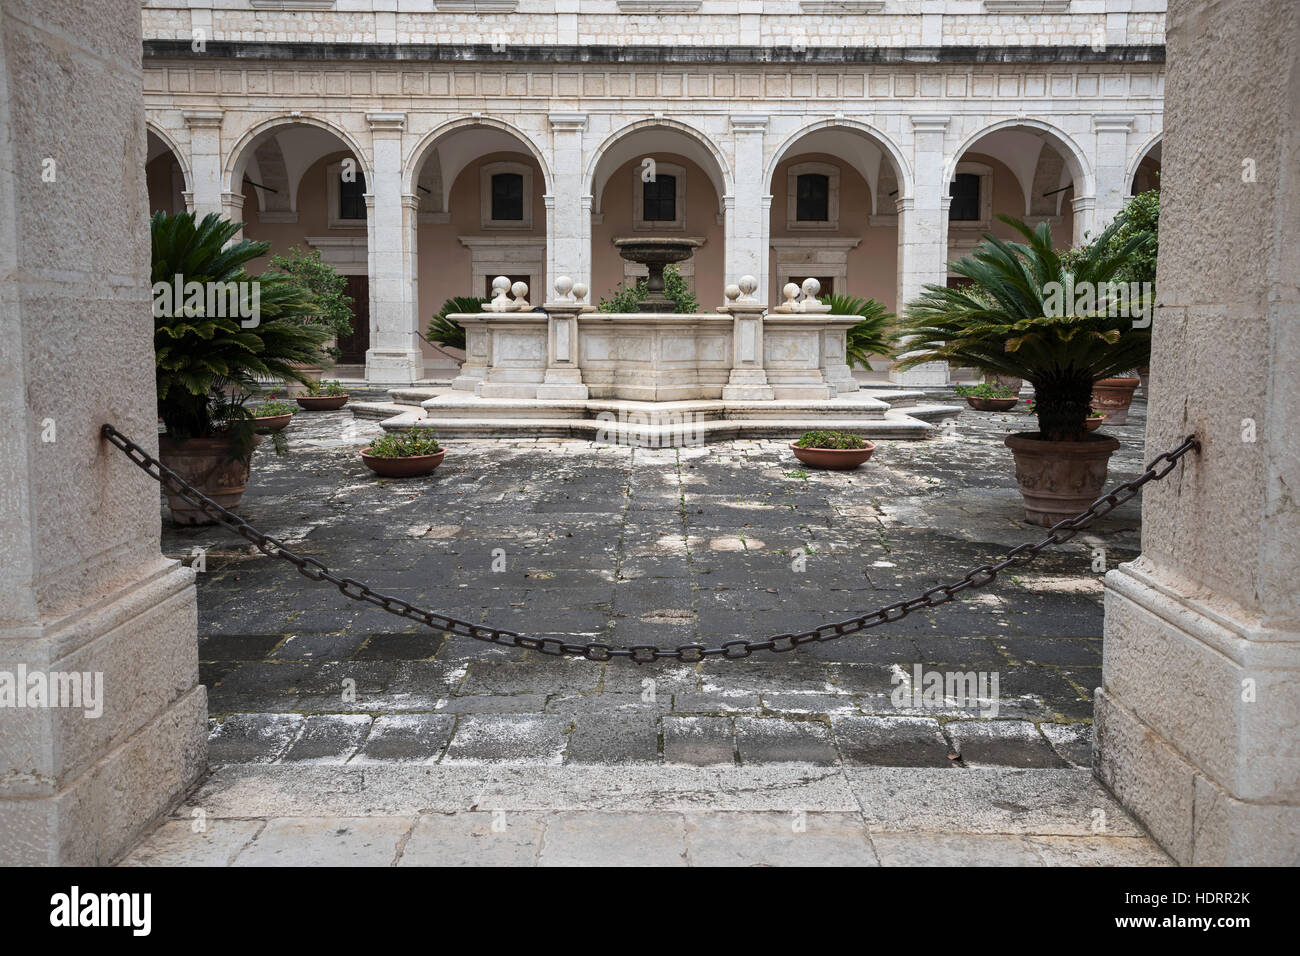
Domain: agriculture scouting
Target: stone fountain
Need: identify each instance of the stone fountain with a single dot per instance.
(654, 254)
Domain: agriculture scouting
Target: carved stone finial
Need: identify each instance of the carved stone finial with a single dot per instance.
(748, 286)
(731, 293)
(564, 289)
(810, 302)
(811, 287)
(580, 291)
(520, 292)
(500, 296)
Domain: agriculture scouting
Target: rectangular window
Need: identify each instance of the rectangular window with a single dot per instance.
(965, 193)
(660, 199)
(507, 197)
(352, 197)
(812, 202)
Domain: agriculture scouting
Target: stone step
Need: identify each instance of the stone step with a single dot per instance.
(894, 425)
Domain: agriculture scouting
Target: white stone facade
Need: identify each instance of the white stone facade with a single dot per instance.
(894, 92)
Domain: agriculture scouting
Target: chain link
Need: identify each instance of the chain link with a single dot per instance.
(979, 577)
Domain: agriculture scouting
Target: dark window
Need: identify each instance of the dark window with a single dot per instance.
(352, 197)
(965, 193)
(659, 199)
(508, 197)
(812, 199)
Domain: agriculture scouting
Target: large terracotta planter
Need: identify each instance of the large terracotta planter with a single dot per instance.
(206, 464)
(321, 403)
(1113, 397)
(271, 423)
(837, 458)
(1059, 479)
(991, 404)
(409, 467)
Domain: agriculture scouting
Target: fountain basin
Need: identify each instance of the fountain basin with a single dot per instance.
(654, 253)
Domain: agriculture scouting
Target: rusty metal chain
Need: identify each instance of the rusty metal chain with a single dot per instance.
(978, 577)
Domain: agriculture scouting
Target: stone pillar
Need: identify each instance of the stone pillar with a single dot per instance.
(232, 208)
(923, 233)
(748, 379)
(563, 378)
(568, 208)
(205, 161)
(1198, 717)
(84, 589)
(1111, 165)
(747, 208)
(394, 356)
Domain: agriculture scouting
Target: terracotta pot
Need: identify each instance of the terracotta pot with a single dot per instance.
(838, 458)
(1113, 396)
(1092, 424)
(991, 404)
(408, 467)
(272, 423)
(1059, 479)
(321, 403)
(206, 464)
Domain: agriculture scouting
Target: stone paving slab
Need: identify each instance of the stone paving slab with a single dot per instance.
(526, 816)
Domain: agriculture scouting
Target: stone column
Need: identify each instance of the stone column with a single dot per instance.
(84, 589)
(1111, 165)
(568, 208)
(1198, 717)
(232, 208)
(923, 233)
(205, 161)
(563, 378)
(748, 379)
(747, 223)
(394, 356)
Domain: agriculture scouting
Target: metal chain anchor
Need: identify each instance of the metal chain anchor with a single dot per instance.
(978, 577)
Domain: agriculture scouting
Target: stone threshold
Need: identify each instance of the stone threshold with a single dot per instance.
(510, 814)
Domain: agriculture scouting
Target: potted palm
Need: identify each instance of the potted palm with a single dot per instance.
(832, 449)
(208, 362)
(1014, 325)
(403, 454)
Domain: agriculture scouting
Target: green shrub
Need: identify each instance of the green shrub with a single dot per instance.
(404, 444)
(831, 439)
(271, 407)
(869, 337)
(322, 283)
(326, 388)
(625, 298)
(985, 390)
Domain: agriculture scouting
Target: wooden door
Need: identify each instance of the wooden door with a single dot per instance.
(354, 346)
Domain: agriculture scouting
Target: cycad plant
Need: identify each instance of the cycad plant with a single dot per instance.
(1029, 314)
(449, 332)
(209, 364)
(869, 337)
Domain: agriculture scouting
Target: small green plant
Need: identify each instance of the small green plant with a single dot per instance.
(272, 407)
(409, 443)
(831, 439)
(985, 390)
(326, 388)
(1092, 413)
(449, 332)
(625, 297)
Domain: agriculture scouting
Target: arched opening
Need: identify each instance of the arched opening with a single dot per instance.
(1146, 175)
(165, 177)
(834, 215)
(658, 180)
(1020, 170)
(304, 185)
(481, 213)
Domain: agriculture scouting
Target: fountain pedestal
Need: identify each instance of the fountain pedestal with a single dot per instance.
(654, 254)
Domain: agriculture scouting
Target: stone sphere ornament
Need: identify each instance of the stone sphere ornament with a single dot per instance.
(748, 286)
(580, 291)
(811, 287)
(731, 292)
(791, 292)
(564, 288)
(500, 284)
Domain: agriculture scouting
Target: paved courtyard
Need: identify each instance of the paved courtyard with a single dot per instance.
(628, 545)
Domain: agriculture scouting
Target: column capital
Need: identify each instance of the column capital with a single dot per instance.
(749, 122)
(1113, 122)
(393, 122)
(930, 123)
(202, 119)
(568, 122)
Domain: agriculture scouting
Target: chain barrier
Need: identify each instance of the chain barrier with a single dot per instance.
(979, 577)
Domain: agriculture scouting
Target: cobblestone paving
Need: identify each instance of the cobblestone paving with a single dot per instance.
(634, 545)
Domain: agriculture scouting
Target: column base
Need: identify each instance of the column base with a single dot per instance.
(563, 383)
(394, 367)
(1188, 723)
(748, 385)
